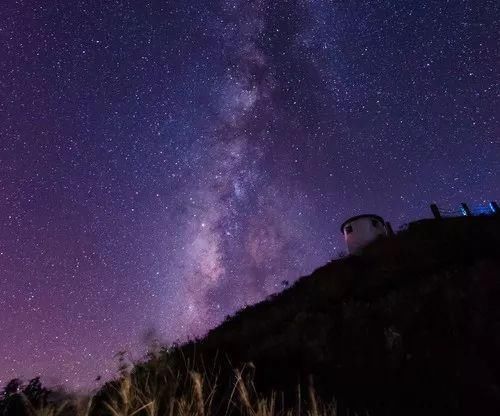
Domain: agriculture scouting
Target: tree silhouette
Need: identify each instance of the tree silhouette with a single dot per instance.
(17, 398)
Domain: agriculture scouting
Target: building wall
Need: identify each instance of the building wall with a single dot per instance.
(363, 232)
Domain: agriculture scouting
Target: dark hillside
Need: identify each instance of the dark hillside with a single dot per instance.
(410, 327)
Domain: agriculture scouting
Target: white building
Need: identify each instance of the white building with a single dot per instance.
(362, 229)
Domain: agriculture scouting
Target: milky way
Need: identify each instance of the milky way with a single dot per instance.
(163, 164)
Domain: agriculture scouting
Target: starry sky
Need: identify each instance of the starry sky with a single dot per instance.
(164, 163)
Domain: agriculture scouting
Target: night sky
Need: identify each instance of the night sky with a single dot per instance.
(164, 163)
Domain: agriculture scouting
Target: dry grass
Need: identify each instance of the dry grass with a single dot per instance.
(151, 395)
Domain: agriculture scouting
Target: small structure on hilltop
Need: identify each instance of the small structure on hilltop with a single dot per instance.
(362, 229)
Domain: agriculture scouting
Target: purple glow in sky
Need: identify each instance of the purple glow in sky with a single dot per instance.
(163, 164)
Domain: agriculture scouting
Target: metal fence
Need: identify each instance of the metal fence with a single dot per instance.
(475, 210)
(482, 209)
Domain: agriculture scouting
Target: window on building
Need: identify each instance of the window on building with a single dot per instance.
(348, 229)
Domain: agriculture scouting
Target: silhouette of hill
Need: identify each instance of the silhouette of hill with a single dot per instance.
(411, 326)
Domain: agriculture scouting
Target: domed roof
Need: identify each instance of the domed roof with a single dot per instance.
(357, 217)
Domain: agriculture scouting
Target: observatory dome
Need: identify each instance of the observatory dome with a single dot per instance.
(362, 229)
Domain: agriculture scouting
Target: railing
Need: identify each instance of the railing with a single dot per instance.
(484, 209)
(476, 210)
